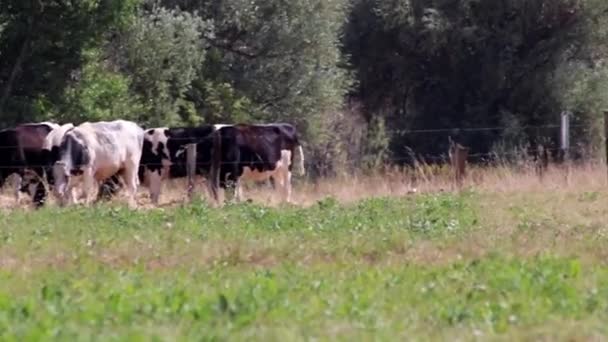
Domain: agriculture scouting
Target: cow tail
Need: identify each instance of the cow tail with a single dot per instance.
(299, 161)
(216, 160)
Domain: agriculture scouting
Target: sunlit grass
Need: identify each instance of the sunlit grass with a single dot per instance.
(508, 256)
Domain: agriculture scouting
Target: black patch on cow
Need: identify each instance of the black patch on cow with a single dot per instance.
(177, 139)
(50, 158)
(149, 160)
(10, 159)
(78, 152)
(160, 151)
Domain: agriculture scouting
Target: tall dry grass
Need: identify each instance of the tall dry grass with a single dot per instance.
(391, 181)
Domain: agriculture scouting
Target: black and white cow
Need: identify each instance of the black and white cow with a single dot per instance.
(97, 151)
(256, 153)
(164, 154)
(21, 153)
(50, 151)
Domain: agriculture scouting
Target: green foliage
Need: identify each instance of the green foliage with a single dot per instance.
(42, 44)
(222, 104)
(376, 144)
(271, 61)
(164, 52)
(442, 214)
(98, 94)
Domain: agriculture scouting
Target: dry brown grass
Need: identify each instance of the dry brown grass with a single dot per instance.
(519, 215)
(391, 182)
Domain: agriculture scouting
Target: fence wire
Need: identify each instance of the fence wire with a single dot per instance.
(395, 132)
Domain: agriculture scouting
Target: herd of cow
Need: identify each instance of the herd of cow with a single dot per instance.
(108, 155)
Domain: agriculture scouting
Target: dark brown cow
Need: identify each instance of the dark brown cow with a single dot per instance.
(256, 153)
(21, 153)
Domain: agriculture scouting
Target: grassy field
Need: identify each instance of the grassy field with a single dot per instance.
(507, 258)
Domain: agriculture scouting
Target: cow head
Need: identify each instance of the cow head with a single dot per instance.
(73, 158)
(155, 152)
(50, 150)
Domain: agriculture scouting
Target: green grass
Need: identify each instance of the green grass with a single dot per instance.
(416, 268)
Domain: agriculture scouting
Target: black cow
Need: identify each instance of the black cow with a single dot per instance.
(21, 153)
(257, 153)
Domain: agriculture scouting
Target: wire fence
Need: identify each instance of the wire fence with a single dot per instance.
(182, 143)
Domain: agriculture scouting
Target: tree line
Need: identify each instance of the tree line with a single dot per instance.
(355, 76)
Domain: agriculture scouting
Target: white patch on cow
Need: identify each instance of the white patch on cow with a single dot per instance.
(50, 125)
(219, 126)
(112, 146)
(157, 136)
(181, 151)
(280, 173)
(55, 136)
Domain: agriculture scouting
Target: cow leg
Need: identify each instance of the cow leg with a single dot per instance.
(228, 183)
(154, 179)
(287, 186)
(71, 195)
(282, 180)
(40, 194)
(238, 190)
(89, 183)
(36, 188)
(132, 180)
(285, 175)
(18, 185)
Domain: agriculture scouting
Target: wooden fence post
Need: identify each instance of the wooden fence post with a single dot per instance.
(565, 141)
(458, 159)
(191, 168)
(565, 135)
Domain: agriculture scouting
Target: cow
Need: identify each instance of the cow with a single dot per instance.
(50, 149)
(21, 153)
(97, 151)
(255, 153)
(51, 156)
(164, 155)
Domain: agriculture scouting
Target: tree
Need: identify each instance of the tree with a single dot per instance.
(42, 43)
(282, 58)
(163, 51)
(461, 63)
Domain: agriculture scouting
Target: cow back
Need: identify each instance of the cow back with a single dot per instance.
(32, 136)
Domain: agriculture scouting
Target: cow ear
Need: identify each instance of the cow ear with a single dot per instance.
(168, 133)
